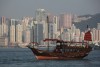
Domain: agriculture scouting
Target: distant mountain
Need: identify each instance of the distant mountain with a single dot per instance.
(88, 15)
(92, 22)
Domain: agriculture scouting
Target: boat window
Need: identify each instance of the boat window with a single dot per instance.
(58, 43)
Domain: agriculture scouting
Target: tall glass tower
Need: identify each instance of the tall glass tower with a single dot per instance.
(40, 15)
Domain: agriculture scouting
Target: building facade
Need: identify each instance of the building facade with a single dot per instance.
(40, 15)
(65, 20)
(19, 33)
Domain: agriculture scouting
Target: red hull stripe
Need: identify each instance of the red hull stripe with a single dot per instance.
(45, 58)
(53, 58)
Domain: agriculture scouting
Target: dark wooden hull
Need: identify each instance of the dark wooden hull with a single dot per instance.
(56, 55)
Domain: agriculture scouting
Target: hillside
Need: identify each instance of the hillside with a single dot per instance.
(92, 22)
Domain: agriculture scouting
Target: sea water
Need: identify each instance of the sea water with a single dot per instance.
(23, 57)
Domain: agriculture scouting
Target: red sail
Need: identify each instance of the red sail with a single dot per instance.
(87, 36)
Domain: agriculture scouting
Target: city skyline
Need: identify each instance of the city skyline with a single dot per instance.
(18, 32)
(18, 9)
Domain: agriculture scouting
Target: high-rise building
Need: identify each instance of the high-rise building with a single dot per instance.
(65, 20)
(40, 15)
(0, 30)
(77, 32)
(73, 28)
(82, 35)
(32, 26)
(56, 23)
(25, 22)
(72, 35)
(98, 26)
(52, 30)
(11, 31)
(4, 30)
(3, 41)
(12, 22)
(77, 35)
(51, 17)
(76, 39)
(19, 33)
(61, 20)
(80, 39)
(67, 36)
(4, 27)
(12, 34)
(99, 35)
(38, 33)
(26, 34)
(93, 34)
(96, 36)
(3, 20)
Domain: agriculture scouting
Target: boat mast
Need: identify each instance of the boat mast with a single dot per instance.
(33, 28)
(60, 34)
(48, 32)
(33, 34)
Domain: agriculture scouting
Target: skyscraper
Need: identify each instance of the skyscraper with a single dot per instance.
(56, 23)
(3, 41)
(12, 22)
(25, 22)
(99, 35)
(38, 33)
(0, 30)
(82, 35)
(40, 15)
(65, 20)
(77, 32)
(12, 34)
(98, 26)
(19, 33)
(73, 28)
(94, 34)
(26, 34)
(4, 27)
(3, 20)
(68, 36)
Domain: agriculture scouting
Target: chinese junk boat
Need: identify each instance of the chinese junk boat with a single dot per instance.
(63, 50)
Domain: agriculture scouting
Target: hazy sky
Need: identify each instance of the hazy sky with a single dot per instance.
(20, 8)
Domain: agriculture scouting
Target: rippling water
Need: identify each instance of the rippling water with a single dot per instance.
(23, 57)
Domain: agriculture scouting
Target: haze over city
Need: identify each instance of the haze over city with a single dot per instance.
(62, 33)
(21, 8)
(24, 21)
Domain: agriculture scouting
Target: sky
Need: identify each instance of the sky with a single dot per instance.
(21, 8)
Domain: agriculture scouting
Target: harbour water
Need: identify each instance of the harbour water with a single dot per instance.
(23, 57)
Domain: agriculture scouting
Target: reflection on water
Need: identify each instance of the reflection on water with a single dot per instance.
(23, 57)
